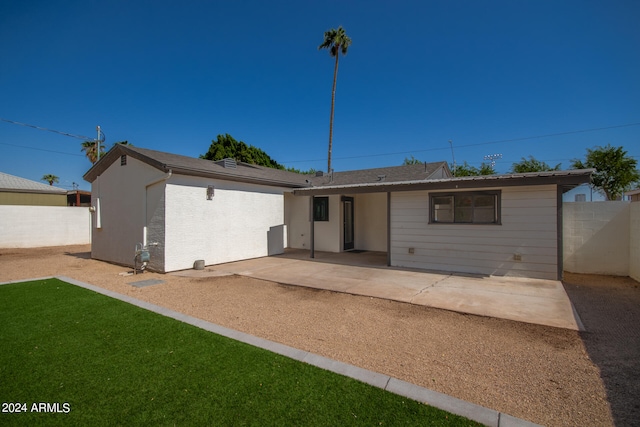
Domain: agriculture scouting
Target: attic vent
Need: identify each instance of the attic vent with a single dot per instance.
(123, 160)
(319, 173)
(381, 177)
(229, 163)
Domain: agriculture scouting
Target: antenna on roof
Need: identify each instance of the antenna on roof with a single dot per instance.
(492, 158)
(453, 157)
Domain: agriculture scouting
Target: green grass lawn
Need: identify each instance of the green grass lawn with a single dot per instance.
(116, 364)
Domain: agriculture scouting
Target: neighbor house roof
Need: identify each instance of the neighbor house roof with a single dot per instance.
(568, 179)
(184, 165)
(15, 184)
(415, 172)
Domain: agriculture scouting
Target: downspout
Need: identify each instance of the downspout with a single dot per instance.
(146, 189)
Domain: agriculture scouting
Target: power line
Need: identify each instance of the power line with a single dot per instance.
(471, 145)
(85, 138)
(42, 149)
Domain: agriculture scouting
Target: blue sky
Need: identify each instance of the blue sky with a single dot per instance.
(492, 76)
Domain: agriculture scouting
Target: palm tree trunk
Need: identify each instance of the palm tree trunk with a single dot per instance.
(333, 101)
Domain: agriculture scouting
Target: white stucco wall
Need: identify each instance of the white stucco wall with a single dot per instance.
(37, 226)
(528, 228)
(634, 240)
(234, 225)
(596, 237)
(122, 201)
(296, 214)
(371, 221)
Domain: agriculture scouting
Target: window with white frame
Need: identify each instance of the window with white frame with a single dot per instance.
(473, 207)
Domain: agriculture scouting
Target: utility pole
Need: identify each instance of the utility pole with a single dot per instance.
(98, 143)
(453, 157)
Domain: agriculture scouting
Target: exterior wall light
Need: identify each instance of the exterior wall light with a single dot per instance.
(210, 192)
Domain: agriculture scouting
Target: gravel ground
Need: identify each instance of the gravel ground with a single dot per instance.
(610, 310)
(538, 373)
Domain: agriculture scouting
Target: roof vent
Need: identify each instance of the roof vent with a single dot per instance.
(319, 173)
(381, 177)
(229, 163)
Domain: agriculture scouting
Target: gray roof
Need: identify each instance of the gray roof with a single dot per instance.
(16, 184)
(416, 172)
(184, 165)
(259, 174)
(568, 179)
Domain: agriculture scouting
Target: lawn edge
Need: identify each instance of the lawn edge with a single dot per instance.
(486, 416)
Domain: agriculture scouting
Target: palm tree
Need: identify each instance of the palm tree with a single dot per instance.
(336, 41)
(50, 179)
(91, 149)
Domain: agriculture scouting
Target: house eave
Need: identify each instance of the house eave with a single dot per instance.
(565, 179)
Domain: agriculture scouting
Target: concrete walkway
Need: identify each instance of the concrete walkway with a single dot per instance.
(542, 302)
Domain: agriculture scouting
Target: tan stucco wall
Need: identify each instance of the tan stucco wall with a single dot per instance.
(32, 199)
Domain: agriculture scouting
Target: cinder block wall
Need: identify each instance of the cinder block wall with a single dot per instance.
(37, 226)
(634, 241)
(596, 237)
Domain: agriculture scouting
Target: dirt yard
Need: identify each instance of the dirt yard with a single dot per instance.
(541, 374)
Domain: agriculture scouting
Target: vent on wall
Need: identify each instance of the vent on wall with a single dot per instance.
(123, 160)
(229, 163)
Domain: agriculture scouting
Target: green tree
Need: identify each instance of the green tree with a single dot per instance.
(225, 146)
(337, 42)
(410, 161)
(615, 173)
(51, 179)
(532, 165)
(466, 169)
(91, 148)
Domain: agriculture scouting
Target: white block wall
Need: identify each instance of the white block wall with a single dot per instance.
(529, 219)
(37, 226)
(596, 237)
(233, 226)
(634, 241)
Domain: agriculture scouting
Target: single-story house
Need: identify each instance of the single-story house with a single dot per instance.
(15, 190)
(185, 209)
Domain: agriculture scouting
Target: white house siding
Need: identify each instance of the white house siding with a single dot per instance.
(37, 226)
(120, 197)
(232, 226)
(634, 241)
(596, 237)
(371, 221)
(528, 228)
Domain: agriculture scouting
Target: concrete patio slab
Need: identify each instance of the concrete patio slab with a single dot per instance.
(543, 302)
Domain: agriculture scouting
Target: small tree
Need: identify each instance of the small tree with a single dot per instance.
(615, 171)
(466, 169)
(51, 179)
(410, 161)
(532, 165)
